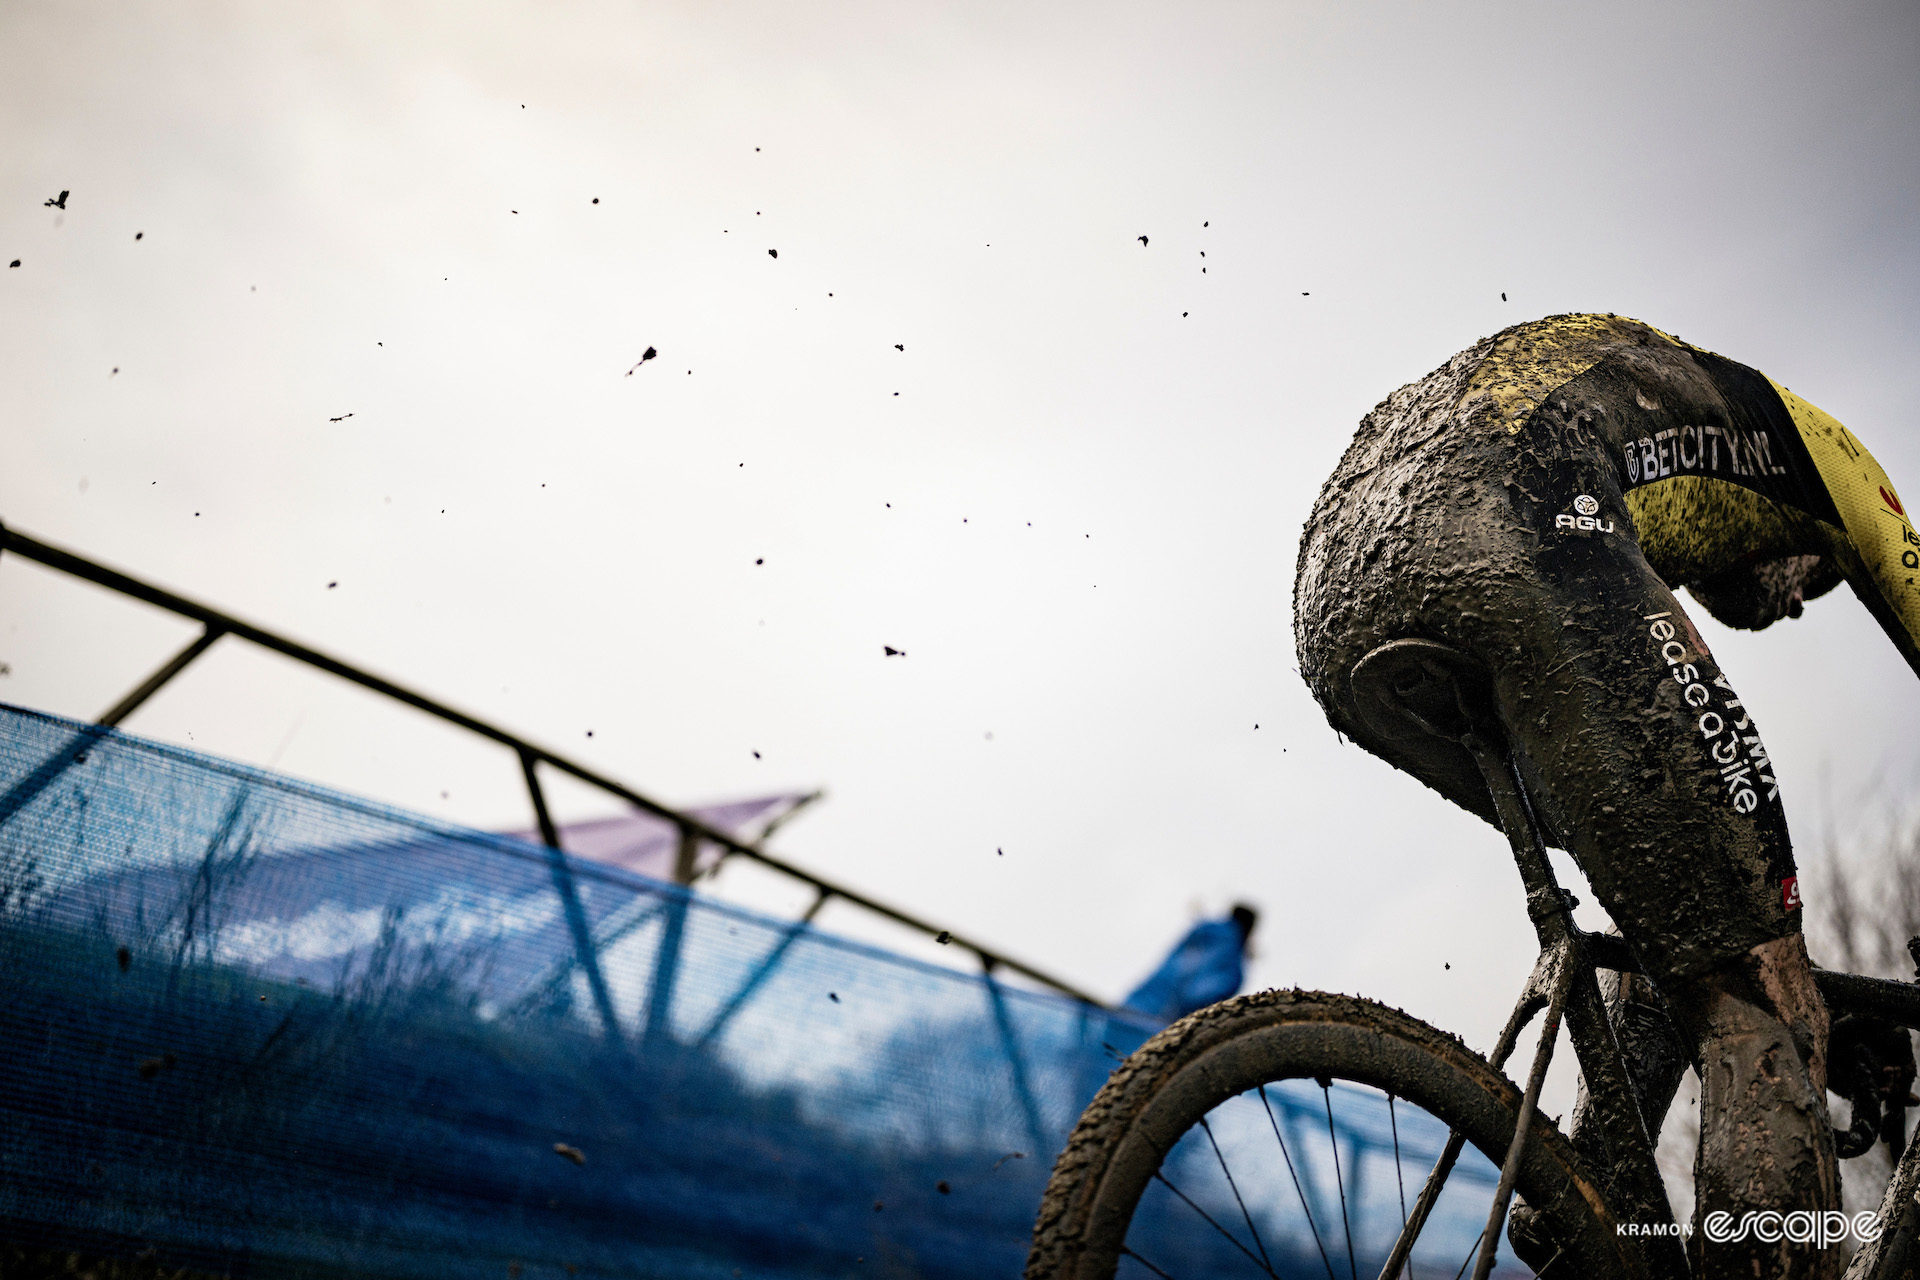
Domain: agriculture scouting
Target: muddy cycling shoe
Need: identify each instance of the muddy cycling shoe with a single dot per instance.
(1532, 1238)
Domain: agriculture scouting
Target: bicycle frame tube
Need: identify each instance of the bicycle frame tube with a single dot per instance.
(1637, 1192)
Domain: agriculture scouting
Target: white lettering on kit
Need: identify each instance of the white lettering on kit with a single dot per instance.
(1738, 755)
(1700, 449)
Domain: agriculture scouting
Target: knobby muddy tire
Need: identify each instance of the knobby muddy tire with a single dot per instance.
(1204, 1059)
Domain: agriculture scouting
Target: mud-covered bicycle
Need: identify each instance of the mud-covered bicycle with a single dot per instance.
(1216, 1122)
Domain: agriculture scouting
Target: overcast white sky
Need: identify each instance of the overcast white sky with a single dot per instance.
(1097, 457)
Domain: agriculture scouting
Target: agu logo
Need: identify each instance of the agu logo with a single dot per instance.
(1586, 521)
(1790, 893)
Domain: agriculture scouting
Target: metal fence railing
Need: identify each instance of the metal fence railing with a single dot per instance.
(217, 625)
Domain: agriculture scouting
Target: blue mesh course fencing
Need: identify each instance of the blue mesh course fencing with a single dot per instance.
(267, 1030)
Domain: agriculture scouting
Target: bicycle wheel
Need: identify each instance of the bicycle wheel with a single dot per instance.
(1225, 1146)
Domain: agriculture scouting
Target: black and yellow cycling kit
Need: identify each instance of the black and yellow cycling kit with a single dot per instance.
(1536, 502)
(1752, 475)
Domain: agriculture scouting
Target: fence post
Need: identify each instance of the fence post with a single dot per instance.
(761, 973)
(1021, 1086)
(168, 670)
(576, 915)
(22, 793)
(666, 957)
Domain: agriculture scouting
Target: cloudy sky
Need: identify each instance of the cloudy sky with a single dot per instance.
(352, 294)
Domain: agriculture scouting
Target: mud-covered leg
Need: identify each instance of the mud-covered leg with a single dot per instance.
(1766, 1146)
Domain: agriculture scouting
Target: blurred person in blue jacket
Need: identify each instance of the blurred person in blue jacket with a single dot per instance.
(1205, 967)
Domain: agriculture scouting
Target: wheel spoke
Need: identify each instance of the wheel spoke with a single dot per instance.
(1235, 1187)
(1143, 1262)
(1339, 1179)
(1423, 1206)
(1471, 1254)
(1304, 1206)
(1399, 1179)
(1216, 1226)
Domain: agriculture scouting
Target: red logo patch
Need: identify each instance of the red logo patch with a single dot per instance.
(1790, 893)
(1892, 501)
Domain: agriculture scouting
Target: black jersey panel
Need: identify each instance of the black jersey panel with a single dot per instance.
(1742, 435)
(1774, 453)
